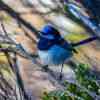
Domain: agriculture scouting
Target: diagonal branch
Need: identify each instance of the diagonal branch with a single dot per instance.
(17, 17)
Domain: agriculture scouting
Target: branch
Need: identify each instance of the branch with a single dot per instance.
(16, 16)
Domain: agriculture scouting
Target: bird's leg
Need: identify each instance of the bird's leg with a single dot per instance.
(60, 77)
(45, 67)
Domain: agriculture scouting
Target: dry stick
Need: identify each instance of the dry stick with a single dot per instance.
(6, 34)
(25, 32)
(2, 96)
(16, 16)
(7, 55)
(4, 91)
(15, 70)
(6, 42)
(5, 86)
(11, 65)
(12, 50)
(19, 79)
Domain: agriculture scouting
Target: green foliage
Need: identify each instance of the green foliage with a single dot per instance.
(84, 88)
(86, 79)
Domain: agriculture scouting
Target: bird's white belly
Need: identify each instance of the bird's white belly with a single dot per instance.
(55, 55)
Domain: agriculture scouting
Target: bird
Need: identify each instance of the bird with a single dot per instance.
(53, 49)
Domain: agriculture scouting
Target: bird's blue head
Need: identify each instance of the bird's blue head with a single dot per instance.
(49, 32)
